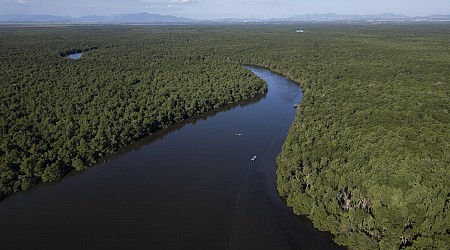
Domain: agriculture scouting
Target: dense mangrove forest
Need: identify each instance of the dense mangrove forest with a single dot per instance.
(60, 114)
(367, 157)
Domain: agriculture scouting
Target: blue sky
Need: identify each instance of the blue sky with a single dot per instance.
(211, 9)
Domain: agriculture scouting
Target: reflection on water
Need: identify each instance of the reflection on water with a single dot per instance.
(158, 135)
(74, 56)
(191, 186)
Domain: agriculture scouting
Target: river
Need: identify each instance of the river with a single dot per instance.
(192, 186)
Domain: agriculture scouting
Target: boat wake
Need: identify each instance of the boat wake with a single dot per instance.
(236, 207)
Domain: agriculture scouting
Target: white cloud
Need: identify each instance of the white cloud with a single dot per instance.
(183, 1)
(168, 1)
(273, 3)
(21, 1)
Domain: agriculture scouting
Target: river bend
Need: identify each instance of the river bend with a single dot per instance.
(192, 186)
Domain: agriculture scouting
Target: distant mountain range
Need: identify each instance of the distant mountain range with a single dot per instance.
(135, 18)
(146, 18)
(387, 17)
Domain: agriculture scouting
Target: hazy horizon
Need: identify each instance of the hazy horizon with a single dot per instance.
(214, 9)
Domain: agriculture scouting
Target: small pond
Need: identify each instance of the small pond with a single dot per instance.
(74, 56)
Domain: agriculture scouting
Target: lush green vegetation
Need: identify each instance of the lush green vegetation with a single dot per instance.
(59, 114)
(367, 157)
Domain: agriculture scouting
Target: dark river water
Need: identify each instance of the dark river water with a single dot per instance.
(192, 186)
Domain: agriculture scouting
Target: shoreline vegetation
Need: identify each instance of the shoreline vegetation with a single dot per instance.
(366, 158)
(62, 115)
(76, 51)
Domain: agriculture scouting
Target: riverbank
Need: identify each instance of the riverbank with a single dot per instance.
(370, 138)
(374, 113)
(173, 184)
(60, 115)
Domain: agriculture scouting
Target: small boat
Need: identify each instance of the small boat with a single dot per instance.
(238, 134)
(253, 158)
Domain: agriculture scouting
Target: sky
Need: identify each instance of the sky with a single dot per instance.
(214, 9)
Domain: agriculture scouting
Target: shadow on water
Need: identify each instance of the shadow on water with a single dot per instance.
(184, 187)
(146, 140)
(160, 134)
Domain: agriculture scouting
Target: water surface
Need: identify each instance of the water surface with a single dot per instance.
(74, 56)
(192, 186)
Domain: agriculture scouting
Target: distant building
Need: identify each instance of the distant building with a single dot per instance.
(299, 31)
